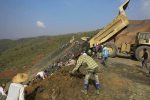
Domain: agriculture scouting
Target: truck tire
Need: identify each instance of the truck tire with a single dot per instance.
(139, 52)
(112, 49)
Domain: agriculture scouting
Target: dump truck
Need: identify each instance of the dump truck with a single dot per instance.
(108, 34)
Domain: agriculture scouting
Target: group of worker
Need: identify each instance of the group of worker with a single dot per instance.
(98, 51)
(16, 88)
(92, 67)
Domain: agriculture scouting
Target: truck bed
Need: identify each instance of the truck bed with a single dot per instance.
(119, 23)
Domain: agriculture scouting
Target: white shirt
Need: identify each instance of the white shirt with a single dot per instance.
(41, 74)
(15, 92)
(2, 91)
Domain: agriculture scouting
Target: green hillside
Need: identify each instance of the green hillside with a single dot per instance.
(6, 44)
(27, 52)
(21, 55)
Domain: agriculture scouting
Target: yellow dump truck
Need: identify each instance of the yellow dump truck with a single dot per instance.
(108, 33)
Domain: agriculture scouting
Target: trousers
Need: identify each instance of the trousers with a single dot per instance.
(87, 77)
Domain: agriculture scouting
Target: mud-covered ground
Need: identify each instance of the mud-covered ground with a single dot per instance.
(123, 79)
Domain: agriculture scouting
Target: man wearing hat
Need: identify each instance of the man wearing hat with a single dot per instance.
(16, 89)
(92, 69)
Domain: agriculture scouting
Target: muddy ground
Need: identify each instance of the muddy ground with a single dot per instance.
(123, 79)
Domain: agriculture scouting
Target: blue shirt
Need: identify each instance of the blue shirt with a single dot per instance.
(105, 52)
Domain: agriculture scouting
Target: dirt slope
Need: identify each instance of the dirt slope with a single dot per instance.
(122, 80)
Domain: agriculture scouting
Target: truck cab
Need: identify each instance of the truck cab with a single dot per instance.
(142, 42)
(143, 38)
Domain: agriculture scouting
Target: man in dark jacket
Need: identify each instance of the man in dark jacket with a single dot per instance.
(145, 58)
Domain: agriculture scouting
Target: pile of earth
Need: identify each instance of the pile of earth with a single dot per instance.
(128, 34)
(119, 81)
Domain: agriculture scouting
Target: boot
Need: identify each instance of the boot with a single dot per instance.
(97, 88)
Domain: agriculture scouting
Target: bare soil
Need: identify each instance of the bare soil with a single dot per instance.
(123, 79)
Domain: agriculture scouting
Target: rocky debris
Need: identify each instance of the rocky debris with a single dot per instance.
(129, 33)
(118, 82)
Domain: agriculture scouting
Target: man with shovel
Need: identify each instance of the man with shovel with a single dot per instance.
(92, 69)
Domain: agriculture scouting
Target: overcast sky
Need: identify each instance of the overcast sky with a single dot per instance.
(27, 18)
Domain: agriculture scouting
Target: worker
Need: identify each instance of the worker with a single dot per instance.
(16, 88)
(41, 75)
(92, 69)
(94, 50)
(145, 58)
(2, 92)
(105, 55)
(99, 54)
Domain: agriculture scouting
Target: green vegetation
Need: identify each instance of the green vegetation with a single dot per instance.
(20, 55)
(29, 51)
(6, 44)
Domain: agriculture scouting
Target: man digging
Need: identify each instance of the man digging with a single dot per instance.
(92, 69)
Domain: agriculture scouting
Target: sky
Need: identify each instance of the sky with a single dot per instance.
(29, 18)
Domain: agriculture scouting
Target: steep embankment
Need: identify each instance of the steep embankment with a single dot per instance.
(27, 54)
(129, 33)
(20, 55)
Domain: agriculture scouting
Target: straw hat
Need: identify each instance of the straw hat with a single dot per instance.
(84, 38)
(20, 77)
